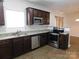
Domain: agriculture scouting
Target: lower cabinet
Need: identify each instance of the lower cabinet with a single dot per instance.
(5, 49)
(21, 45)
(27, 44)
(11, 48)
(18, 46)
(63, 41)
(43, 39)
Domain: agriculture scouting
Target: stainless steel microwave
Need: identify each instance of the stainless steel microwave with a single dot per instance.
(37, 20)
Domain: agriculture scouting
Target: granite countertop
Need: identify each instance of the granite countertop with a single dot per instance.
(21, 34)
(60, 33)
(7, 35)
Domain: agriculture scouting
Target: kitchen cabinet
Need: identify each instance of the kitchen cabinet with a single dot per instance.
(46, 21)
(35, 13)
(13, 47)
(1, 14)
(27, 44)
(43, 39)
(21, 45)
(18, 45)
(32, 12)
(5, 49)
(29, 16)
(63, 41)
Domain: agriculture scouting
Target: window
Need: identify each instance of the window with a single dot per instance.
(59, 21)
(14, 18)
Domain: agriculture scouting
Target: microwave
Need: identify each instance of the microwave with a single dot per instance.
(37, 20)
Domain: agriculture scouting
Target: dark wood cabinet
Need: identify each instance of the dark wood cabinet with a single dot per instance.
(21, 45)
(18, 45)
(43, 39)
(35, 13)
(29, 16)
(11, 48)
(1, 14)
(63, 41)
(27, 44)
(46, 17)
(5, 49)
(32, 12)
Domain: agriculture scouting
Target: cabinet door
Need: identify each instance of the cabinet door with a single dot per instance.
(39, 13)
(35, 12)
(27, 44)
(1, 14)
(46, 17)
(32, 12)
(43, 39)
(63, 41)
(30, 15)
(5, 49)
(18, 46)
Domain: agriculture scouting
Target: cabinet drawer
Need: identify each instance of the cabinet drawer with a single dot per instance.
(4, 42)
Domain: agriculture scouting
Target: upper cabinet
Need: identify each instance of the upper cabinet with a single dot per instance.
(36, 16)
(1, 14)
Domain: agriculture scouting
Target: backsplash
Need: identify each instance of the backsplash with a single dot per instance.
(3, 29)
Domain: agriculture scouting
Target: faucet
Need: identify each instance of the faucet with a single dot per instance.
(17, 33)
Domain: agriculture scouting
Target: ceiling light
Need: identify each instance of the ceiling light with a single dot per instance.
(77, 20)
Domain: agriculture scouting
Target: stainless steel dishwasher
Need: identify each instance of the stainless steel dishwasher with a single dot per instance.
(35, 41)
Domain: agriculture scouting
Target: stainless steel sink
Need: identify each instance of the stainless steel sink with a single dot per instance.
(19, 33)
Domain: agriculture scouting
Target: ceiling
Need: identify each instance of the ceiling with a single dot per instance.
(67, 6)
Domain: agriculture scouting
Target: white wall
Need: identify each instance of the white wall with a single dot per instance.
(70, 22)
(15, 10)
(19, 6)
(15, 16)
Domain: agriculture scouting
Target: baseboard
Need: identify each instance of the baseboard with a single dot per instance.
(75, 36)
(69, 46)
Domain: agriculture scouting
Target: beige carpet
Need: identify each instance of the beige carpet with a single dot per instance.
(48, 52)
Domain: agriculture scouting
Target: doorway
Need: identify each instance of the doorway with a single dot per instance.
(59, 21)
